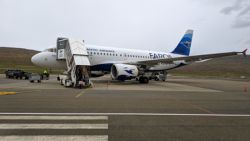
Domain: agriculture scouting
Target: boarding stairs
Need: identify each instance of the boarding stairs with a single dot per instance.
(74, 52)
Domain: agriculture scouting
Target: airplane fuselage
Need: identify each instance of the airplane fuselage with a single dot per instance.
(102, 58)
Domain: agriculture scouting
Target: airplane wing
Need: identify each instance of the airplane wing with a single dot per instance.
(190, 58)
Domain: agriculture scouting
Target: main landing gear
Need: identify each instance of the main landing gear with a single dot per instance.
(143, 79)
(163, 77)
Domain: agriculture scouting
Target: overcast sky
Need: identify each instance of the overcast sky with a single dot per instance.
(220, 25)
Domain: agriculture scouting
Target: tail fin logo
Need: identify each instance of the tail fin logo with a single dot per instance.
(187, 44)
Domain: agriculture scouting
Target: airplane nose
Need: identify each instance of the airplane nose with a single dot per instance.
(34, 59)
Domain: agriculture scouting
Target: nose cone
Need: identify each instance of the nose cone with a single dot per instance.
(35, 59)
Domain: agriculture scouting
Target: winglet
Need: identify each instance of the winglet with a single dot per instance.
(244, 52)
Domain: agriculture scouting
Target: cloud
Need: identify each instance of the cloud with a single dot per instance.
(241, 9)
(241, 23)
(245, 11)
(235, 7)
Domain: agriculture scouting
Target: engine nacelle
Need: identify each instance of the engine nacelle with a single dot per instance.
(124, 72)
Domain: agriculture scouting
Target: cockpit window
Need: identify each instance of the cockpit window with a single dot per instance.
(50, 50)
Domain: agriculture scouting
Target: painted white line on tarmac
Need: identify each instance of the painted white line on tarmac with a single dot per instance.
(55, 138)
(53, 117)
(130, 114)
(53, 126)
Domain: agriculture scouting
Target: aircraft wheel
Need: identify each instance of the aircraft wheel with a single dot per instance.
(143, 80)
(146, 80)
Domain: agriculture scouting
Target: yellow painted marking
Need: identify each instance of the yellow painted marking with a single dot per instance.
(81, 93)
(7, 93)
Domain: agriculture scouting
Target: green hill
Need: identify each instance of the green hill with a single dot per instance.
(233, 66)
(17, 58)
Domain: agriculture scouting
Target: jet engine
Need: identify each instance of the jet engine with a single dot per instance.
(124, 72)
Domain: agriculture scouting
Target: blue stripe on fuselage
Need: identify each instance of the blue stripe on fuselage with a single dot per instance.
(101, 67)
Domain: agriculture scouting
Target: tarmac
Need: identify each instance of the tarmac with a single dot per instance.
(179, 109)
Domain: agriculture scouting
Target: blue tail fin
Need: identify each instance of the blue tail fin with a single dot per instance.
(183, 48)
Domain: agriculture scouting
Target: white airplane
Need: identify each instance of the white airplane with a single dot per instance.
(126, 64)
